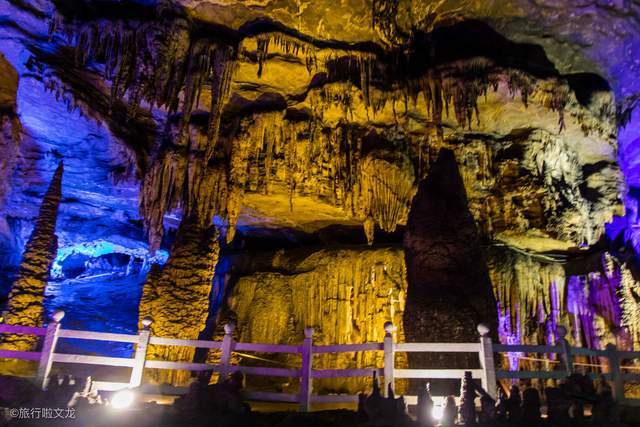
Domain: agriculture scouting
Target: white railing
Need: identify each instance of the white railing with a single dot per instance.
(484, 348)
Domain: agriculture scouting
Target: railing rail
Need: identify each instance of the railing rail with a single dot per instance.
(485, 349)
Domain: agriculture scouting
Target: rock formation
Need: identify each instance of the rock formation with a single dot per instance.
(27, 293)
(487, 132)
(9, 125)
(445, 267)
(176, 296)
(346, 295)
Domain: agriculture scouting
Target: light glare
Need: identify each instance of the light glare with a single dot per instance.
(122, 399)
(437, 412)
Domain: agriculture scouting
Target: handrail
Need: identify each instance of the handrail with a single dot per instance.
(485, 349)
(97, 336)
(526, 348)
(21, 330)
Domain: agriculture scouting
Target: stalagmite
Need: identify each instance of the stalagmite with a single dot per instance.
(448, 281)
(27, 293)
(177, 297)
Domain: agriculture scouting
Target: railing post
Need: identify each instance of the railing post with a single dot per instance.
(567, 358)
(486, 361)
(306, 381)
(616, 375)
(227, 348)
(140, 357)
(389, 358)
(48, 348)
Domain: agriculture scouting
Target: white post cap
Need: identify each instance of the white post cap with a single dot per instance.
(483, 329)
(146, 322)
(389, 328)
(57, 316)
(561, 331)
(229, 328)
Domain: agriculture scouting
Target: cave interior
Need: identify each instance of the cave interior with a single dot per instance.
(282, 164)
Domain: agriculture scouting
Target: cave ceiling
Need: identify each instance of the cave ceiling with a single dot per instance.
(300, 115)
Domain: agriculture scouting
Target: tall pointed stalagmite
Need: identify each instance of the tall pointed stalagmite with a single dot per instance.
(27, 293)
(449, 291)
(177, 297)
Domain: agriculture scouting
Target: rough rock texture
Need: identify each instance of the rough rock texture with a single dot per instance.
(346, 295)
(591, 293)
(324, 132)
(448, 280)
(176, 297)
(295, 117)
(27, 293)
(9, 125)
(531, 293)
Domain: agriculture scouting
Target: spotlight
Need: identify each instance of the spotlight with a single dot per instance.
(122, 399)
(437, 412)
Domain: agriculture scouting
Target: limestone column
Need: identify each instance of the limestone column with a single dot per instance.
(449, 290)
(27, 293)
(176, 296)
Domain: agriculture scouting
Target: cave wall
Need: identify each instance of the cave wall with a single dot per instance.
(10, 126)
(346, 294)
(333, 117)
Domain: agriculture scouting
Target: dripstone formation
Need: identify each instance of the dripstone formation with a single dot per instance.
(27, 293)
(309, 164)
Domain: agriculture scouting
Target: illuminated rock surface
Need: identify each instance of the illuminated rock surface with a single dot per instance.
(27, 292)
(314, 126)
(176, 296)
(9, 124)
(346, 295)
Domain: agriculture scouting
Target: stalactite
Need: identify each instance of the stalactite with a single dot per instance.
(179, 180)
(346, 295)
(279, 43)
(27, 293)
(161, 63)
(629, 295)
(528, 288)
(177, 297)
(387, 187)
(146, 60)
(326, 163)
(535, 296)
(221, 75)
(384, 19)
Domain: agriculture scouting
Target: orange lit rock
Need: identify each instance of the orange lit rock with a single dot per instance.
(176, 297)
(346, 295)
(27, 293)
